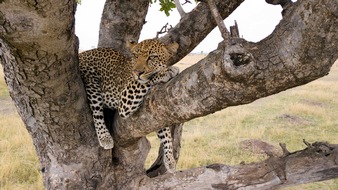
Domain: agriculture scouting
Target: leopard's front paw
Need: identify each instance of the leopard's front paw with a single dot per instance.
(173, 71)
(165, 75)
(106, 141)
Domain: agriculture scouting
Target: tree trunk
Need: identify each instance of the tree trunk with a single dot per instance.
(38, 51)
(121, 21)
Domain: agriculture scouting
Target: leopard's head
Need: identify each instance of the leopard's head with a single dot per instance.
(149, 57)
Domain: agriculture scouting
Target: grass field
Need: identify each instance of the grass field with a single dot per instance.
(19, 165)
(308, 112)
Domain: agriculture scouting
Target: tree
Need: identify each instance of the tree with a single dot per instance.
(38, 51)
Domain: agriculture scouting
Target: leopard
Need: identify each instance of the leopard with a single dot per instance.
(116, 81)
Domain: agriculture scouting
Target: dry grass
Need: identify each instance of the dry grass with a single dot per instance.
(188, 60)
(308, 112)
(19, 166)
(3, 87)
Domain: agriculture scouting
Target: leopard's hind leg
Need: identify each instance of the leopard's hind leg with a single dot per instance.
(168, 153)
(94, 95)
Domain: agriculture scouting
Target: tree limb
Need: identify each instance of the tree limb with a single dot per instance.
(180, 8)
(164, 29)
(196, 25)
(242, 73)
(316, 163)
(38, 51)
(218, 19)
(122, 24)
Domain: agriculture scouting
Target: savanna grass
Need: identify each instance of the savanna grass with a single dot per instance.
(3, 87)
(19, 165)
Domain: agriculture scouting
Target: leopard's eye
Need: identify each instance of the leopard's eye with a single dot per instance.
(135, 51)
(134, 54)
(153, 55)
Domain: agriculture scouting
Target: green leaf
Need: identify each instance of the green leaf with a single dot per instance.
(166, 6)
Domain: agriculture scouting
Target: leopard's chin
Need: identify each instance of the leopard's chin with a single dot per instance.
(142, 81)
(146, 77)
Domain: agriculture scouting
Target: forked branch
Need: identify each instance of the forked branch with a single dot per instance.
(195, 26)
(166, 28)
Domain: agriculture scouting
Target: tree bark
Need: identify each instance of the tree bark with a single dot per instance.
(315, 163)
(219, 20)
(38, 51)
(122, 21)
(234, 31)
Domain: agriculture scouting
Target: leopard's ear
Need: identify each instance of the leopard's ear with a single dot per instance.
(131, 44)
(172, 48)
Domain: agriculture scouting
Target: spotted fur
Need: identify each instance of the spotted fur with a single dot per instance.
(114, 81)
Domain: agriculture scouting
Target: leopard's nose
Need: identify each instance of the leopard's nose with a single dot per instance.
(138, 73)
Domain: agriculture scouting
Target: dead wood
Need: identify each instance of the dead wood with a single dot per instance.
(317, 162)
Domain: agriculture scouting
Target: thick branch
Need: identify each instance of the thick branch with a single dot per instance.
(296, 53)
(38, 51)
(196, 25)
(316, 163)
(121, 21)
